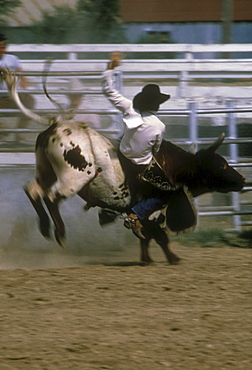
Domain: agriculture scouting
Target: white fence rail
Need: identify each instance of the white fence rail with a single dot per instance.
(192, 61)
(184, 49)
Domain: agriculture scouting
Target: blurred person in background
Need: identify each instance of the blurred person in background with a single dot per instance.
(75, 95)
(12, 62)
(76, 100)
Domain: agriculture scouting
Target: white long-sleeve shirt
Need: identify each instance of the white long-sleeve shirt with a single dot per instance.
(143, 133)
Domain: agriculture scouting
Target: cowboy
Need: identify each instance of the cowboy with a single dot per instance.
(143, 135)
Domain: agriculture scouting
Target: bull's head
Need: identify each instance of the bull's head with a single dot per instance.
(217, 174)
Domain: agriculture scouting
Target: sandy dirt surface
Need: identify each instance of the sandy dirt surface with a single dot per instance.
(105, 311)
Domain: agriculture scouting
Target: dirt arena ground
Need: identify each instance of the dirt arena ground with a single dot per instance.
(105, 311)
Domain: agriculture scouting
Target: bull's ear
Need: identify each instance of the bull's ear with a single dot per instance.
(213, 147)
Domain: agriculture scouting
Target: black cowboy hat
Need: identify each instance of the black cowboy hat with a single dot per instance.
(149, 98)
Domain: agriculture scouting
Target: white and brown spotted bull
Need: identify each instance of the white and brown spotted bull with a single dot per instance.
(72, 158)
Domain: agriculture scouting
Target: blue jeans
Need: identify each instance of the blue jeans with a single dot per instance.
(154, 197)
(146, 207)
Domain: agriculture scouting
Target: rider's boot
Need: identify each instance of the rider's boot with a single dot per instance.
(133, 222)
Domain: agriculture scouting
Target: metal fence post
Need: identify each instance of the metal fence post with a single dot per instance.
(119, 87)
(193, 135)
(184, 77)
(119, 81)
(183, 84)
(232, 131)
(72, 56)
(193, 124)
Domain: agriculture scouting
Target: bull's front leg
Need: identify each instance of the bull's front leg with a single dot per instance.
(144, 247)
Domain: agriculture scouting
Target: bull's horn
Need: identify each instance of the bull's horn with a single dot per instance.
(11, 82)
(213, 147)
(192, 148)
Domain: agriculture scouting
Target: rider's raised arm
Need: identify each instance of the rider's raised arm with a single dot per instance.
(108, 88)
(108, 85)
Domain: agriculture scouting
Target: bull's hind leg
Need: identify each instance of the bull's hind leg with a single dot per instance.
(154, 231)
(163, 240)
(35, 193)
(53, 208)
(34, 190)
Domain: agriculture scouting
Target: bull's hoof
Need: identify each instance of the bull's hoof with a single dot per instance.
(147, 262)
(144, 263)
(151, 263)
(44, 228)
(60, 238)
(174, 260)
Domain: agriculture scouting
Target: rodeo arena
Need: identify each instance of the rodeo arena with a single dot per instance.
(211, 100)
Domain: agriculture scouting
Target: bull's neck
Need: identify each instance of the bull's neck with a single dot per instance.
(188, 175)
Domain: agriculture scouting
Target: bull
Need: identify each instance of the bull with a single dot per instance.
(72, 158)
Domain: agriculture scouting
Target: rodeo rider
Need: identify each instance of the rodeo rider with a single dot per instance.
(143, 135)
